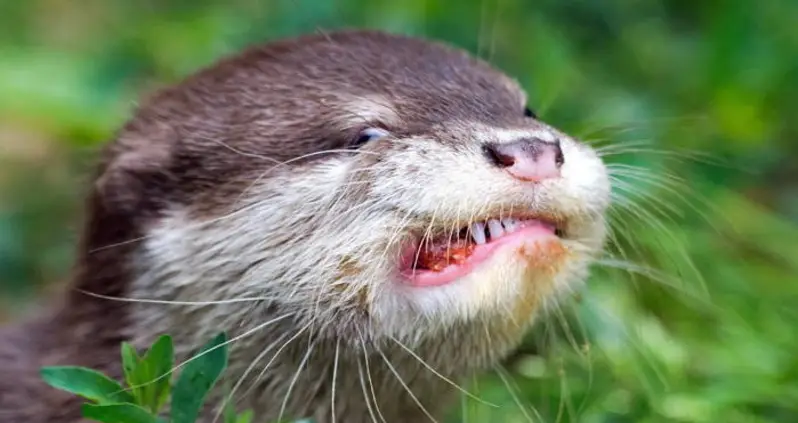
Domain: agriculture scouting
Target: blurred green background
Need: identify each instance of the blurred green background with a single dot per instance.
(692, 315)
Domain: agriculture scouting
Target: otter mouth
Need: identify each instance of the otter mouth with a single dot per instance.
(439, 260)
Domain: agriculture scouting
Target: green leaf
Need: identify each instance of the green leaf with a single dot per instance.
(197, 379)
(87, 383)
(229, 410)
(130, 365)
(158, 361)
(118, 413)
(244, 417)
(147, 376)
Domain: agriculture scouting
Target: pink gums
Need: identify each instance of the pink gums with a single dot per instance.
(529, 231)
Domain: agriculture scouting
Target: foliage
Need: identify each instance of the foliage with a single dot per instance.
(690, 319)
(149, 384)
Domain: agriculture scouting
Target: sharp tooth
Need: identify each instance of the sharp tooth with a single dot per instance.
(495, 228)
(509, 225)
(478, 233)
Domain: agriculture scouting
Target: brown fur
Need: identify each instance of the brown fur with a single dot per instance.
(200, 143)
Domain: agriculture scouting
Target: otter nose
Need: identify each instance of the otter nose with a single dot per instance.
(529, 159)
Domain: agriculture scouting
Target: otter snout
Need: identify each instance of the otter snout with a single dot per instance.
(528, 159)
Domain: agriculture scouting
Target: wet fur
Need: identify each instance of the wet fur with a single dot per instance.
(217, 190)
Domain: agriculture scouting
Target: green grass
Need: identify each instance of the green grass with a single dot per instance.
(703, 95)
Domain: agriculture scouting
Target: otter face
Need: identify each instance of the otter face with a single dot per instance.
(370, 187)
(497, 219)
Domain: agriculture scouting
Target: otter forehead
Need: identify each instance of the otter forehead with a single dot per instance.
(213, 133)
(426, 80)
(329, 77)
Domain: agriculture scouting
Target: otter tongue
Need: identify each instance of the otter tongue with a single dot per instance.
(436, 256)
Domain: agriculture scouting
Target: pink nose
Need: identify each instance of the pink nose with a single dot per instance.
(529, 159)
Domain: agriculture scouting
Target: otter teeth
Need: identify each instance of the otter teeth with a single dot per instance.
(478, 233)
(510, 225)
(495, 229)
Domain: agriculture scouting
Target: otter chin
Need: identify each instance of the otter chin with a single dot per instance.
(373, 218)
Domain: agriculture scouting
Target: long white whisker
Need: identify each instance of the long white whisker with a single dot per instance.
(246, 372)
(365, 394)
(505, 379)
(274, 357)
(444, 378)
(294, 380)
(404, 385)
(334, 376)
(229, 341)
(368, 375)
(171, 302)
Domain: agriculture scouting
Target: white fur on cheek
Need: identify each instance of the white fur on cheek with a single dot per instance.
(461, 184)
(585, 178)
(254, 251)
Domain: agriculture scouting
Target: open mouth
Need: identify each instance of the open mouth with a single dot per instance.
(441, 260)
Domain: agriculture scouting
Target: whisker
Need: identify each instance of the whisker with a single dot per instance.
(294, 380)
(368, 374)
(239, 152)
(274, 357)
(436, 373)
(425, 238)
(246, 372)
(229, 341)
(562, 395)
(404, 385)
(694, 156)
(652, 274)
(565, 395)
(647, 217)
(171, 302)
(584, 353)
(501, 372)
(569, 335)
(243, 209)
(481, 31)
(673, 185)
(623, 186)
(622, 326)
(493, 36)
(365, 394)
(334, 376)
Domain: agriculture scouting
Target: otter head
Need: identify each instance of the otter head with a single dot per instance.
(368, 189)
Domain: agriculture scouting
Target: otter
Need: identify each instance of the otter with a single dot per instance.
(373, 218)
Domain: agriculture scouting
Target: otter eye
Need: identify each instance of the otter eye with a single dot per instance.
(530, 113)
(369, 134)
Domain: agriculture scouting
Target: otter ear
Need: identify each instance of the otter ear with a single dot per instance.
(133, 170)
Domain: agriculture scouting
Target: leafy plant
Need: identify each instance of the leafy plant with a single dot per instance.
(149, 385)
